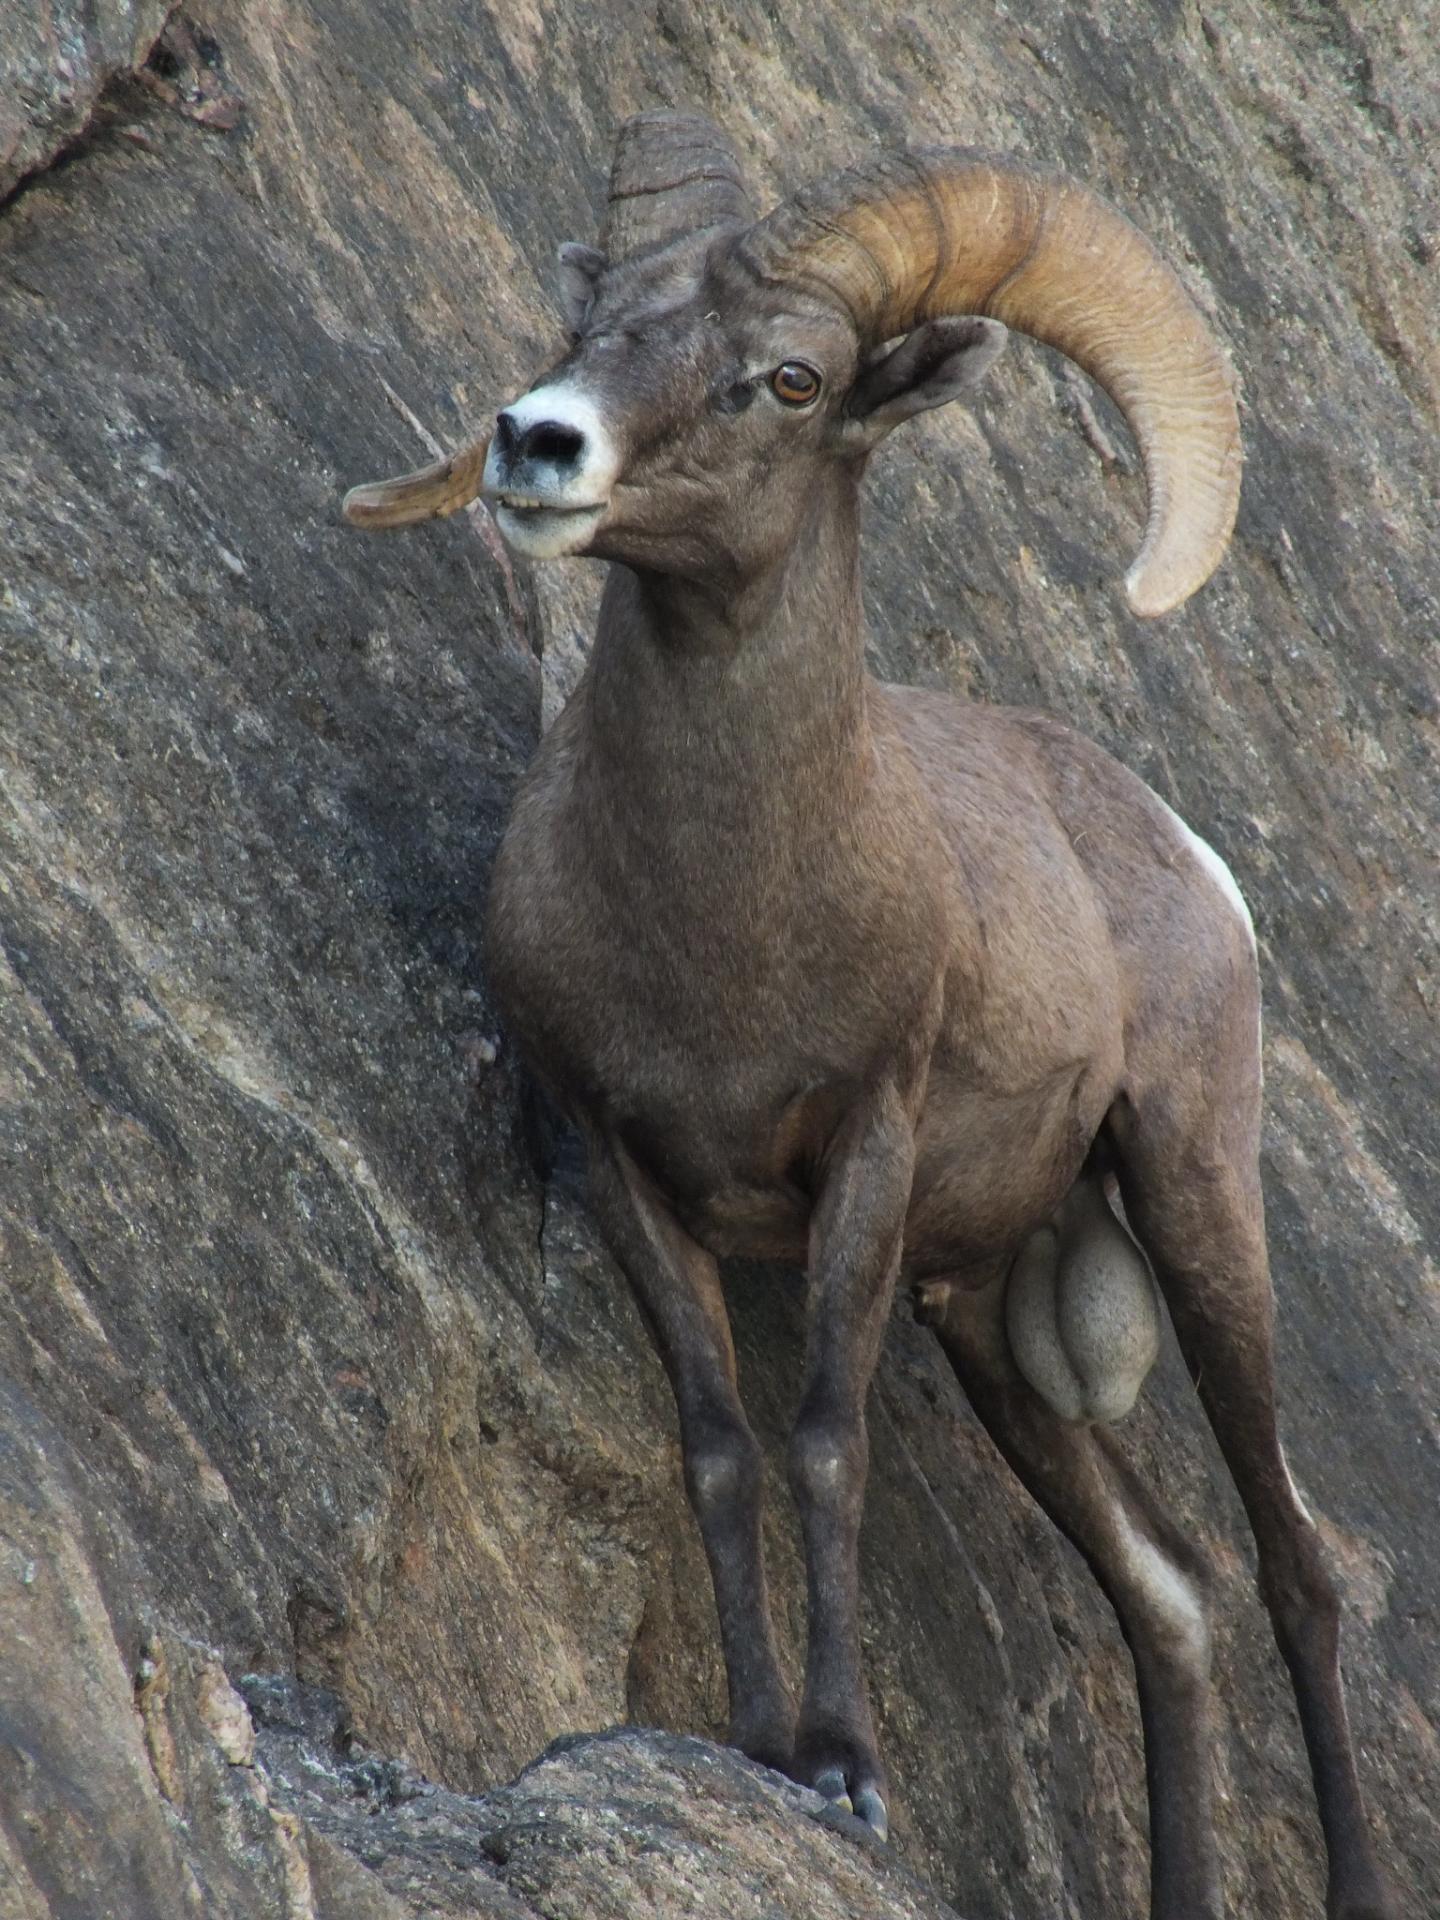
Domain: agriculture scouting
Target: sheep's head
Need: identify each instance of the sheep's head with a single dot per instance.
(718, 362)
(683, 430)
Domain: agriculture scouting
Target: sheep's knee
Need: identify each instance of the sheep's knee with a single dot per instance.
(827, 1464)
(724, 1470)
(1082, 1311)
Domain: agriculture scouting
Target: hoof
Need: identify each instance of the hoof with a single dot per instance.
(865, 1804)
(831, 1787)
(775, 1754)
(870, 1808)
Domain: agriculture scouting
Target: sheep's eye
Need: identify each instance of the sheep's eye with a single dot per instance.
(795, 383)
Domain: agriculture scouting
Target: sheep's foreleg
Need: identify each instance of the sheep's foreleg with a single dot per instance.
(677, 1285)
(854, 1256)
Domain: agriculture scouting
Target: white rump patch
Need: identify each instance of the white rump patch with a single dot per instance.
(1217, 870)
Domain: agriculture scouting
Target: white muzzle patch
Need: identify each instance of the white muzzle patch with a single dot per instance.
(547, 507)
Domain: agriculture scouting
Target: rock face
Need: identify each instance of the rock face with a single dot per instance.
(311, 1366)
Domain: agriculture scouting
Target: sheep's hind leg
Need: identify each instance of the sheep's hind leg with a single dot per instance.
(1193, 1198)
(1153, 1577)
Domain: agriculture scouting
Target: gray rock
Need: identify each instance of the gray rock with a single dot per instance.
(623, 1822)
(59, 60)
(313, 1367)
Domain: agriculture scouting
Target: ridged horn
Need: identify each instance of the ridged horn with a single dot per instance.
(947, 230)
(674, 173)
(428, 494)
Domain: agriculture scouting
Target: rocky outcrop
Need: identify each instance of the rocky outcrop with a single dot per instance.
(312, 1368)
(256, 1798)
(605, 1825)
(62, 62)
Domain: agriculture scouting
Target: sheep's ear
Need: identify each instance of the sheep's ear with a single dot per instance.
(937, 362)
(580, 268)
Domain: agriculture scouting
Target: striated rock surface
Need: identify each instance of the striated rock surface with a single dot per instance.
(310, 1366)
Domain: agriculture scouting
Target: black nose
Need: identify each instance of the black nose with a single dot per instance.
(552, 441)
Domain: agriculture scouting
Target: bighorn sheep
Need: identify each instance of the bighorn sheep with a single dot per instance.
(871, 978)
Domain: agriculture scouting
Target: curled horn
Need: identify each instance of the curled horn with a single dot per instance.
(674, 173)
(946, 230)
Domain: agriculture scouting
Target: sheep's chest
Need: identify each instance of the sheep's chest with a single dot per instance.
(727, 1083)
(719, 1001)
(723, 1064)
(729, 1113)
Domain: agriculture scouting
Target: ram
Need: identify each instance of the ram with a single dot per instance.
(896, 986)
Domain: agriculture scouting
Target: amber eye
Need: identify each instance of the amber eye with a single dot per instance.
(795, 383)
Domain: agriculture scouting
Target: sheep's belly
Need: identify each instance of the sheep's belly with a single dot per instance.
(989, 1168)
(751, 1223)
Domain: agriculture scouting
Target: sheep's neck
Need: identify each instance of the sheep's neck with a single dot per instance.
(734, 726)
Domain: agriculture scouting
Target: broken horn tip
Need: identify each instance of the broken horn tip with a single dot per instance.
(1149, 595)
(366, 507)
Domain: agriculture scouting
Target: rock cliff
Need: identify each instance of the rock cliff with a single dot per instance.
(333, 1458)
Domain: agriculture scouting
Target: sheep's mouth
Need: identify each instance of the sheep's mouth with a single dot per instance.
(543, 528)
(537, 503)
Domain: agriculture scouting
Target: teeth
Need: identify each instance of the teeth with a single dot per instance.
(531, 503)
